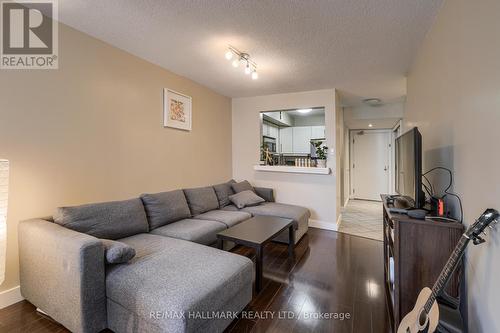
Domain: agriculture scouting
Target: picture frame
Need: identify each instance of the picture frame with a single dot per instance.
(177, 110)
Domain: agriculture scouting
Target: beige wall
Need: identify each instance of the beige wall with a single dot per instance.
(92, 131)
(454, 98)
(316, 192)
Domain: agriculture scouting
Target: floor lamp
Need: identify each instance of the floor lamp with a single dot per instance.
(4, 186)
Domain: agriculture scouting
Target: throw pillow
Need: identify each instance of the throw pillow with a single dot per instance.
(117, 252)
(242, 186)
(245, 199)
(223, 191)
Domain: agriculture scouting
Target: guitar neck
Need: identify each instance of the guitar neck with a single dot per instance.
(447, 271)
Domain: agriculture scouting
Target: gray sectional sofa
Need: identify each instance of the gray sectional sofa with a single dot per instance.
(176, 281)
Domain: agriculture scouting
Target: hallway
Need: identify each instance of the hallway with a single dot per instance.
(362, 218)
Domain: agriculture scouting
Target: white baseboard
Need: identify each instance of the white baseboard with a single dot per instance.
(10, 296)
(322, 225)
(346, 202)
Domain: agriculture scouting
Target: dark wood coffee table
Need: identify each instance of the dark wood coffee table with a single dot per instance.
(255, 233)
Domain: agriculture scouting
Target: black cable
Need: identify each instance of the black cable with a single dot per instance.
(446, 191)
(429, 192)
(442, 168)
(460, 204)
(429, 183)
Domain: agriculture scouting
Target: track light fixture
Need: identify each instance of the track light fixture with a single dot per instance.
(238, 58)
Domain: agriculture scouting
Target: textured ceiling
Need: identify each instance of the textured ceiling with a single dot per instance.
(362, 47)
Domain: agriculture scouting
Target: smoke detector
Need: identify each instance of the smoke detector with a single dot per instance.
(372, 101)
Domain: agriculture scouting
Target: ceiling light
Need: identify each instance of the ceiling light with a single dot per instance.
(370, 125)
(248, 70)
(304, 110)
(242, 57)
(372, 101)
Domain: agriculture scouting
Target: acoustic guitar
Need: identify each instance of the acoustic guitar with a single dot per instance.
(425, 315)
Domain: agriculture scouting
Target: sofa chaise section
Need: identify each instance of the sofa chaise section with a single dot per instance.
(173, 285)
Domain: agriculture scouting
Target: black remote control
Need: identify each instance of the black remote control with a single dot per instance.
(398, 210)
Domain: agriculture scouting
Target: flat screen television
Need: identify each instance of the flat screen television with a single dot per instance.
(408, 168)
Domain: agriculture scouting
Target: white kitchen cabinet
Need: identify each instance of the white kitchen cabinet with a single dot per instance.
(286, 119)
(318, 132)
(297, 139)
(273, 132)
(275, 115)
(280, 118)
(270, 130)
(265, 129)
(301, 139)
(286, 139)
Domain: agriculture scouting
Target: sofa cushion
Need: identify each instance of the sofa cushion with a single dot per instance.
(117, 252)
(230, 208)
(201, 199)
(242, 186)
(166, 207)
(223, 191)
(229, 218)
(109, 220)
(194, 230)
(172, 276)
(245, 199)
(296, 213)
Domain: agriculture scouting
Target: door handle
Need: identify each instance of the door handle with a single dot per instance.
(385, 168)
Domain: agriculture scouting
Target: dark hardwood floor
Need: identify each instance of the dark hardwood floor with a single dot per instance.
(333, 274)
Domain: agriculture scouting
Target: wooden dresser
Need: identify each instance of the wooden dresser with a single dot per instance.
(415, 251)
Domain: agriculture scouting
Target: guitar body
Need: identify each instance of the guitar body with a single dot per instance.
(416, 321)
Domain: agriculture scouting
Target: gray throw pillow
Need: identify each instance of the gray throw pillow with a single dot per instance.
(223, 191)
(110, 220)
(117, 252)
(242, 186)
(245, 199)
(166, 207)
(201, 199)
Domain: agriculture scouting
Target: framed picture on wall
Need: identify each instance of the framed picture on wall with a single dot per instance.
(176, 110)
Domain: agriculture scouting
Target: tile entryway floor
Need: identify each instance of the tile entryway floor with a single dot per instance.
(362, 218)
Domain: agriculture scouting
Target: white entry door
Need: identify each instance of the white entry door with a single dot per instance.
(371, 158)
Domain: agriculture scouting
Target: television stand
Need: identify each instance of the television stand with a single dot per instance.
(415, 252)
